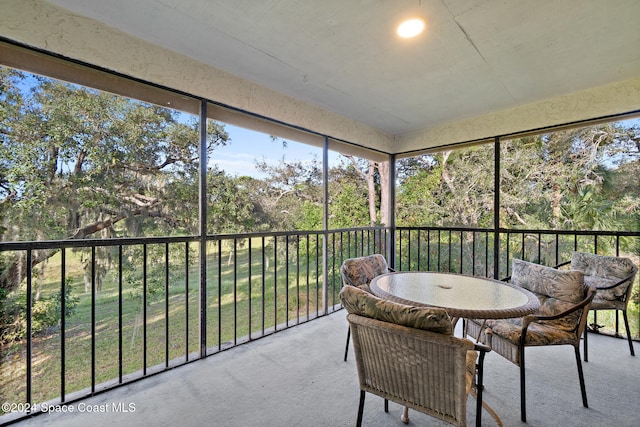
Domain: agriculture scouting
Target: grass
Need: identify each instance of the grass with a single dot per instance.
(229, 317)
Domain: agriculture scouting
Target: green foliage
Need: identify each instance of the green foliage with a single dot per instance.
(348, 206)
(77, 161)
(310, 218)
(45, 313)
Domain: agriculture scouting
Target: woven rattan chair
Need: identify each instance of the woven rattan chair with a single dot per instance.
(613, 279)
(359, 272)
(560, 320)
(409, 355)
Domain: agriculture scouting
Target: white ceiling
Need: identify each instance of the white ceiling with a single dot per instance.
(476, 56)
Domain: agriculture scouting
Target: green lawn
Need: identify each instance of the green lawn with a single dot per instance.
(226, 320)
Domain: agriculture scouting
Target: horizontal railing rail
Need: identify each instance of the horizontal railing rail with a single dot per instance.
(134, 307)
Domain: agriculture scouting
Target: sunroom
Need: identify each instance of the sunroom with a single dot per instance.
(183, 177)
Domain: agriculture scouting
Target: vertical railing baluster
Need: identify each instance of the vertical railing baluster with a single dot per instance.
(144, 309)
(318, 272)
(29, 314)
(219, 294)
(120, 321)
(486, 254)
(461, 254)
(618, 311)
(473, 253)
(249, 290)
(93, 319)
(539, 257)
(308, 299)
(439, 249)
(263, 284)
(368, 242)
(298, 279)
(186, 301)
(286, 281)
(235, 292)
(63, 318)
(419, 249)
(428, 249)
(166, 304)
(275, 283)
(409, 249)
(333, 266)
(450, 254)
(507, 263)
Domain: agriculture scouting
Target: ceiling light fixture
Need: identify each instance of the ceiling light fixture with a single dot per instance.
(411, 27)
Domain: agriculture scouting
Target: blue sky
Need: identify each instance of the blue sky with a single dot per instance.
(247, 146)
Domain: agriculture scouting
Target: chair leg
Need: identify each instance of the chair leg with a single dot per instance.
(479, 387)
(346, 348)
(586, 345)
(405, 415)
(360, 408)
(583, 389)
(523, 399)
(626, 325)
(386, 405)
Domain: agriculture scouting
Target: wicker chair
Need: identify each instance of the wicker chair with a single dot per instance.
(409, 355)
(613, 279)
(359, 272)
(560, 320)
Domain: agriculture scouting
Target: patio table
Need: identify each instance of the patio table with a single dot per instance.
(460, 295)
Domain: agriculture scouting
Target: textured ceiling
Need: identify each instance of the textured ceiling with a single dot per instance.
(476, 56)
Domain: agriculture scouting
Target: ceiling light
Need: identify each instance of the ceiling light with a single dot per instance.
(411, 27)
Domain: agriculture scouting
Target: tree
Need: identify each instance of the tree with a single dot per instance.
(376, 176)
(77, 162)
(290, 192)
(575, 179)
(452, 188)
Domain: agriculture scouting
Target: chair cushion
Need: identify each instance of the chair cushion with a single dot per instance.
(602, 271)
(537, 333)
(362, 303)
(557, 290)
(360, 271)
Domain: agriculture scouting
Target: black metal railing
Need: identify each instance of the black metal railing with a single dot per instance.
(137, 307)
(482, 252)
(141, 306)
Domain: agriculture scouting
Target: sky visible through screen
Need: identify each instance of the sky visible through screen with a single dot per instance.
(246, 147)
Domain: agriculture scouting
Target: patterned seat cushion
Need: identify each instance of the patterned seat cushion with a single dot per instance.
(603, 271)
(360, 271)
(537, 333)
(557, 291)
(362, 303)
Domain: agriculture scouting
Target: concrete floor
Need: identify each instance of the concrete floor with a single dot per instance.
(297, 378)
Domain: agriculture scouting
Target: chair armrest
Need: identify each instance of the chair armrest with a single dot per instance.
(618, 283)
(483, 348)
(562, 264)
(526, 320)
(391, 270)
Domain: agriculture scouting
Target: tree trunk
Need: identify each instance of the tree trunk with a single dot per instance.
(16, 272)
(371, 190)
(385, 195)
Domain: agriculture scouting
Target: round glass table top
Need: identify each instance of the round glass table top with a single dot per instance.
(460, 295)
